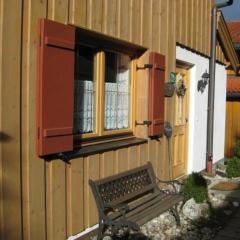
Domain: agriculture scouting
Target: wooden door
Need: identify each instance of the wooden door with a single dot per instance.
(180, 128)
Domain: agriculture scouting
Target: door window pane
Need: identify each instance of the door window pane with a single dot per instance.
(85, 100)
(117, 91)
(180, 101)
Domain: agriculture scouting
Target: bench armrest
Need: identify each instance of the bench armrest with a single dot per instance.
(176, 186)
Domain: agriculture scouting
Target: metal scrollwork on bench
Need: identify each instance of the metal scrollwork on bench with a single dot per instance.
(111, 191)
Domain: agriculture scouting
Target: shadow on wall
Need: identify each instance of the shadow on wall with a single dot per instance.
(4, 137)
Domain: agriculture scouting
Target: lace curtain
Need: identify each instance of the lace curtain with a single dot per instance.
(117, 102)
(84, 106)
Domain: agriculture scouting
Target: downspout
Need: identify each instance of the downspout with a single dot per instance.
(211, 88)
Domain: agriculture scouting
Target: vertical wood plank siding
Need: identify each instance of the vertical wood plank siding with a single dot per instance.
(56, 170)
(232, 131)
(10, 139)
(33, 170)
(56, 199)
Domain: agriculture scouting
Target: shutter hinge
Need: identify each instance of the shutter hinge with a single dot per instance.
(145, 122)
(144, 67)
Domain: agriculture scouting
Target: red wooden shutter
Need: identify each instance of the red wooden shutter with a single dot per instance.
(156, 94)
(55, 87)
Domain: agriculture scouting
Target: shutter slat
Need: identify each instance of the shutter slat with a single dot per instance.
(55, 103)
(156, 94)
(59, 43)
(58, 131)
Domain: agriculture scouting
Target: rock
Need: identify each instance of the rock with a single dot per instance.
(169, 232)
(159, 236)
(221, 173)
(169, 220)
(206, 230)
(214, 199)
(107, 238)
(221, 166)
(227, 212)
(191, 209)
(204, 208)
(235, 204)
(191, 236)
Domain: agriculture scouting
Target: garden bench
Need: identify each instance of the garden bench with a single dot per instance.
(129, 199)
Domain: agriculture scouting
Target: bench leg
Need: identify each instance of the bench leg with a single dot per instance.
(176, 215)
(100, 231)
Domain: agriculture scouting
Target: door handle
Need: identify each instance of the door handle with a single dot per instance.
(186, 120)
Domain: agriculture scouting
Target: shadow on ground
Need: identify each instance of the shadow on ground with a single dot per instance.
(216, 219)
(133, 236)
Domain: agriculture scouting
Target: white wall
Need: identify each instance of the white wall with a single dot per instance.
(219, 113)
(198, 110)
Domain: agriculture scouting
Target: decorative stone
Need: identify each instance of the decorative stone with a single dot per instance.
(191, 209)
(228, 212)
(204, 208)
(107, 238)
(169, 220)
(214, 199)
(235, 204)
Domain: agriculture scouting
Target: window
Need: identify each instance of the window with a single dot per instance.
(117, 91)
(85, 91)
(103, 92)
(85, 87)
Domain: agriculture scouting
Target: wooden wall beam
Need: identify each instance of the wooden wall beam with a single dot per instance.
(33, 169)
(78, 12)
(56, 188)
(10, 139)
(110, 17)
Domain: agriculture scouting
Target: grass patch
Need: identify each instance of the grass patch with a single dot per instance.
(195, 186)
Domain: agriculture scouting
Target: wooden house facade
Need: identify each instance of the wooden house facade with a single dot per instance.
(232, 133)
(51, 199)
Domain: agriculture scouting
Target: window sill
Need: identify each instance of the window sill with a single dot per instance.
(98, 148)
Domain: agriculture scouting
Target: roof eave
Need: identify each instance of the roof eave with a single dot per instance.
(225, 41)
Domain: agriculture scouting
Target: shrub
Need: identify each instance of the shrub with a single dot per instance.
(236, 149)
(233, 167)
(195, 186)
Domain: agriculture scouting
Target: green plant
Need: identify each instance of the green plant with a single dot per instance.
(233, 167)
(195, 186)
(236, 149)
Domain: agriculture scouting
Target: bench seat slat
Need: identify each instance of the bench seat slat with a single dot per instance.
(140, 205)
(156, 201)
(150, 209)
(156, 210)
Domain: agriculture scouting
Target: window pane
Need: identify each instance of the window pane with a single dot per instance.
(117, 91)
(84, 105)
(179, 102)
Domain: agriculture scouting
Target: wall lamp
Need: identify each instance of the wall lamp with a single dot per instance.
(203, 82)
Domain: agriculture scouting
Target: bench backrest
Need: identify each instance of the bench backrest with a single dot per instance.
(123, 187)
